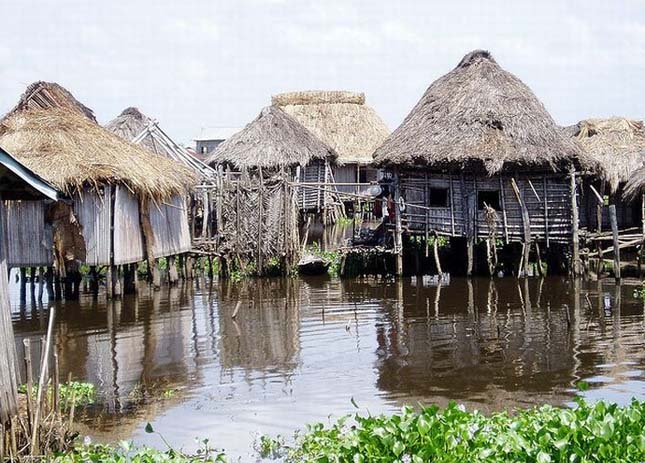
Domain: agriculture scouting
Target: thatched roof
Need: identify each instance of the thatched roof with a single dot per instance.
(477, 114)
(340, 119)
(612, 148)
(71, 151)
(273, 139)
(47, 95)
(134, 126)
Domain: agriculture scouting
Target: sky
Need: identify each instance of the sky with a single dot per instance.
(215, 63)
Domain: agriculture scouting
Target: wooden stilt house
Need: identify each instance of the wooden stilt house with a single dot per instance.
(343, 121)
(613, 149)
(480, 158)
(112, 182)
(275, 141)
(17, 182)
(169, 221)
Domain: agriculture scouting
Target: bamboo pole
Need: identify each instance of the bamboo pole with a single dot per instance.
(42, 380)
(526, 224)
(435, 250)
(575, 240)
(398, 241)
(614, 231)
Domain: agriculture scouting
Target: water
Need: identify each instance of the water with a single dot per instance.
(300, 350)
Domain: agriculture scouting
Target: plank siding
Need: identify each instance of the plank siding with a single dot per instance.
(414, 186)
(128, 237)
(93, 211)
(29, 239)
(310, 199)
(170, 227)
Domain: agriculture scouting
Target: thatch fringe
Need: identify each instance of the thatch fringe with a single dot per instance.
(478, 113)
(340, 119)
(613, 149)
(272, 139)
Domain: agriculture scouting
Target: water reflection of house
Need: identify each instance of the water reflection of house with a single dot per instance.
(125, 348)
(264, 334)
(511, 336)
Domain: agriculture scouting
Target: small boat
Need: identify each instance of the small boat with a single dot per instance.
(313, 265)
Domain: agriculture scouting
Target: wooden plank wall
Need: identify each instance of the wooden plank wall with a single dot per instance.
(450, 220)
(345, 174)
(30, 242)
(128, 237)
(93, 211)
(170, 227)
(308, 198)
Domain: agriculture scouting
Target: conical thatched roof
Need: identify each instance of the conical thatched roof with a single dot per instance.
(273, 139)
(134, 126)
(67, 148)
(340, 119)
(477, 113)
(47, 95)
(612, 148)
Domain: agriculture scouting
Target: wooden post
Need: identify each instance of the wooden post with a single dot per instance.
(614, 233)
(173, 277)
(117, 281)
(129, 278)
(435, 249)
(502, 195)
(398, 240)
(8, 360)
(642, 250)
(526, 225)
(23, 284)
(190, 266)
(148, 241)
(260, 264)
(599, 207)
(32, 281)
(49, 280)
(41, 283)
(545, 193)
(575, 242)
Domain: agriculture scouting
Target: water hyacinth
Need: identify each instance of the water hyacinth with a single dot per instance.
(597, 432)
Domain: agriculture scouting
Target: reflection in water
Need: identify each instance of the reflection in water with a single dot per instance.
(273, 354)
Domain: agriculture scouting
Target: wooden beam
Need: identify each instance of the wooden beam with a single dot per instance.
(575, 240)
(614, 231)
(526, 222)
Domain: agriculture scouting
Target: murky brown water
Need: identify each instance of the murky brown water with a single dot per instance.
(300, 350)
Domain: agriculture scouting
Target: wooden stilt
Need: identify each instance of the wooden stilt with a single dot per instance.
(23, 284)
(614, 233)
(398, 241)
(129, 277)
(49, 281)
(173, 276)
(181, 267)
(575, 242)
(41, 283)
(538, 258)
(526, 226)
(435, 250)
(190, 267)
(117, 291)
(109, 283)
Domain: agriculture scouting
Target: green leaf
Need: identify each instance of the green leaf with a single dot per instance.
(398, 448)
(543, 457)
(582, 386)
(149, 428)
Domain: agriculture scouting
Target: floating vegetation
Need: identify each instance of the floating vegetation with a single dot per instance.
(598, 432)
(71, 393)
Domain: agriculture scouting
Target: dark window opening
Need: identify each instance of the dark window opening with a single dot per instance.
(490, 198)
(439, 197)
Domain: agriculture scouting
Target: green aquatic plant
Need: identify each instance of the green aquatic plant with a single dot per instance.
(598, 432)
(126, 452)
(334, 257)
(71, 393)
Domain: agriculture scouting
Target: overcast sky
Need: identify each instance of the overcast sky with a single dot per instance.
(192, 64)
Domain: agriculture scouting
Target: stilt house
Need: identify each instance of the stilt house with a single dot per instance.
(613, 149)
(343, 121)
(275, 141)
(112, 182)
(479, 157)
(17, 182)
